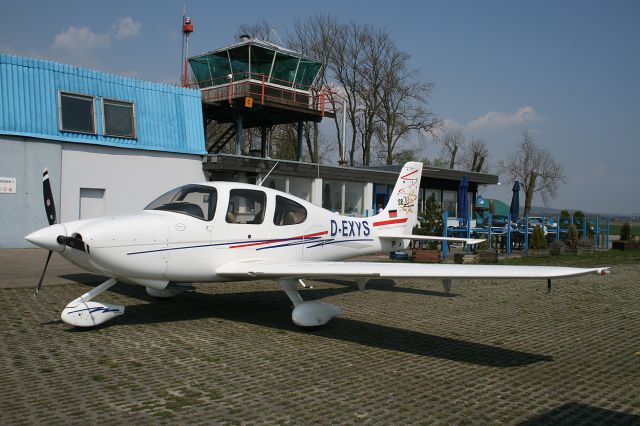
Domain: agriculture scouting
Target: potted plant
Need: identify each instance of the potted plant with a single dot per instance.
(538, 244)
(625, 242)
(485, 255)
(429, 223)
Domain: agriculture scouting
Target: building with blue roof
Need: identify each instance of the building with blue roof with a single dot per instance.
(111, 143)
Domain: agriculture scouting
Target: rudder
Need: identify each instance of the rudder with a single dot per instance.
(401, 212)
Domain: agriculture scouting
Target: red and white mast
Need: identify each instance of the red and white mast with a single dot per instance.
(187, 29)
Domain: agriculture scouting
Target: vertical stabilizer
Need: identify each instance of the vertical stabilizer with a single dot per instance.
(401, 212)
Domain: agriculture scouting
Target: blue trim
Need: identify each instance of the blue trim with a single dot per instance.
(95, 309)
(297, 241)
(331, 241)
(101, 142)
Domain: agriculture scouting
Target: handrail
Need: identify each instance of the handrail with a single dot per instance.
(314, 98)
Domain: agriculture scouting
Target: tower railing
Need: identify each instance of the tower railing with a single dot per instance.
(262, 89)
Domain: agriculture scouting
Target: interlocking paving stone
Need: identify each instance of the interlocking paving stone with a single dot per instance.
(400, 353)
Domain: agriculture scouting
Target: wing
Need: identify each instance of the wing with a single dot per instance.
(430, 238)
(275, 269)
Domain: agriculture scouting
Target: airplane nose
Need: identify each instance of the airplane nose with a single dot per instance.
(47, 237)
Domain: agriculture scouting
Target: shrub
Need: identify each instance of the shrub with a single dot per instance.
(572, 238)
(625, 232)
(430, 221)
(538, 241)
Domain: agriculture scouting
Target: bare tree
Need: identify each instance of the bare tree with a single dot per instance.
(403, 106)
(260, 30)
(475, 156)
(536, 170)
(316, 37)
(345, 58)
(452, 141)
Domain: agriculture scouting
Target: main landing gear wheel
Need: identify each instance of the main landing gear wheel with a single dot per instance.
(311, 313)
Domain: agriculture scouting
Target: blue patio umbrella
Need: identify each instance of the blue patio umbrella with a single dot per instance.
(514, 210)
(463, 204)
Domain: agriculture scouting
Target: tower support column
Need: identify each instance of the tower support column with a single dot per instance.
(238, 119)
(299, 147)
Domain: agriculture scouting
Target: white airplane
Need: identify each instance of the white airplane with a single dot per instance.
(227, 231)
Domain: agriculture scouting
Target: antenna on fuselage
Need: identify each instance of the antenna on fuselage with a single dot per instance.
(265, 178)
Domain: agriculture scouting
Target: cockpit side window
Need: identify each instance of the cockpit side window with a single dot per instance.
(194, 200)
(288, 212)
(246, 206)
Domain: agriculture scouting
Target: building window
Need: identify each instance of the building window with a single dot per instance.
(300, 187)
(119, 119)
(354, 198)
(332, 195)
(450, 202)
(76, 113)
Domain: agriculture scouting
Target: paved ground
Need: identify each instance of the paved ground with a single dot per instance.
(492, 352)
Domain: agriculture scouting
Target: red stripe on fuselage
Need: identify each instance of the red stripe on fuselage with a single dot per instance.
(390, 222)
(260, 243)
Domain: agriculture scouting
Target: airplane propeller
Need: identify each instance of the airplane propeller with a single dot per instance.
(50, 209)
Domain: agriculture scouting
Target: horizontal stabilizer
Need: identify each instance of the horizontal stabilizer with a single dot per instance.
(432, 238)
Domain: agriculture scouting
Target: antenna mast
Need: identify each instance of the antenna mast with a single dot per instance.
(187, 29)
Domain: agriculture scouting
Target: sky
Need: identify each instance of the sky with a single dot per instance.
(567, 71)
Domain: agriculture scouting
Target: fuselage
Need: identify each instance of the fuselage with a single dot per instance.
(186, 236)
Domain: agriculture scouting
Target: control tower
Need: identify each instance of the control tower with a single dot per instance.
(255, 83)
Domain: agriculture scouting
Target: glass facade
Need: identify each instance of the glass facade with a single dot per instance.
(253, 60)
(276, 182)
(300, 187)
(450, 202)
(332, 195)
(354, 198)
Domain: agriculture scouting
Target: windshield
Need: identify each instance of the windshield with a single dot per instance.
(193, 200)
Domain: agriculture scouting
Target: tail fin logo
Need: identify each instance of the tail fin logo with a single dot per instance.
(407, 192)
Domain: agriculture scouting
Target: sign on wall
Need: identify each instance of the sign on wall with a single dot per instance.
(7, 185)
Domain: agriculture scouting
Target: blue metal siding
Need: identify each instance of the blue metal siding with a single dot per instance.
(168, 118)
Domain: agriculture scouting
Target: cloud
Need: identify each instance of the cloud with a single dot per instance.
(80, 39)
(500, 120)
(126, 28)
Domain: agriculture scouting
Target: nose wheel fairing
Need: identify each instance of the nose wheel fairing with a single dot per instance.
(83, 312)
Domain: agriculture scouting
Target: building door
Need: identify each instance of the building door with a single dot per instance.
(91, 203)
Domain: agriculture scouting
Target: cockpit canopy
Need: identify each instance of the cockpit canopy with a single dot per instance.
(194, 200)
(245, 206)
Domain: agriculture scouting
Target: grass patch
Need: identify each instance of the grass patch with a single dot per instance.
(215, 394)
(599, 258)
(614, 229)
(99, 378)
(176, 403)
(214, 359)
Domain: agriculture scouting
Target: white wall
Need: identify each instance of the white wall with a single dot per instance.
(131, 178)
(23, 212)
